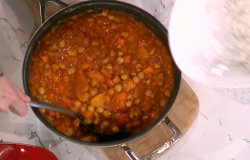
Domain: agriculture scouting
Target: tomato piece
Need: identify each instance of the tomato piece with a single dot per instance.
(105, 73)
(96, 76)
(98, 101)
(52, 113)
(45, 58)
(120, 97)
(88, 114)
(122, 119)
(127, 58)
(81, 87)
(61, 128)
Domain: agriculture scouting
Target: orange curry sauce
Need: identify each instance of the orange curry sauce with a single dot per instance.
(107, 67)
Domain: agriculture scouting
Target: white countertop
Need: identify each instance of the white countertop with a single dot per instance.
(220, 132)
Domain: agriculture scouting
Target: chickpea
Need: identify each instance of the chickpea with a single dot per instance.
(128, 103)
(118, 87)
(87, 121)
(136, 79)
(116, 79)
(120, 60)
(62, 43)
(124, 76)
(148, 81)
(128, 125)
(163, 103)
(96, 121)
(61, 65)
(156, 65)
(106, 113)
(93, 92)
(104, 13)
(122, 71)
(140, 75)
(90, 19)
(87, 139)
(148, 93)
(49, 118)
(99, 110)
(160, 83)
(105, 123)
(111, 17)
(167, 93)
(138, 66)
(42, 110)
(120, 53)
(41, 90)
(77, 104)
(109, 66)
(115, 129)
(91, 108)
(111, 91)
(137, 100)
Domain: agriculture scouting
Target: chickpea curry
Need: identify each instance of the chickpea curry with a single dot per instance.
(107, 67)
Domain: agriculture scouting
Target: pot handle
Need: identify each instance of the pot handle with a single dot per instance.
(42, 5)
(177, 134)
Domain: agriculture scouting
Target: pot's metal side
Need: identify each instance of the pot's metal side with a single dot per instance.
(42, 4)
(139, 15)
(176, 136)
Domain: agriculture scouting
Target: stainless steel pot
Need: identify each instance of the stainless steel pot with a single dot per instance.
(97, 6)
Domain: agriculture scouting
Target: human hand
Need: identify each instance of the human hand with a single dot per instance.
(11, 97)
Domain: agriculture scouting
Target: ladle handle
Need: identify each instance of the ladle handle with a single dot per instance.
(44, 105)
(177, 134)
(42, 5)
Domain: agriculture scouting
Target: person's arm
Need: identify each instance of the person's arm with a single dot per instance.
(11, 97)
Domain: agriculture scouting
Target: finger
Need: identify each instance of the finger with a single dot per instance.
(17, 90)
(20, 108)
(10, 97)
(21, 94)
(4, 105)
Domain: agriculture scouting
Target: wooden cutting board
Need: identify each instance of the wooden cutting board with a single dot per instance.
(182, 114)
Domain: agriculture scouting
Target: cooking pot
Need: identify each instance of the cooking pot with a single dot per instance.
(97, 6)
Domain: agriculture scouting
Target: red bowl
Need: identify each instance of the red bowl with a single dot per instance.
(11, 151)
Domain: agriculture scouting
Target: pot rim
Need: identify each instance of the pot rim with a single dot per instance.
(153, 23)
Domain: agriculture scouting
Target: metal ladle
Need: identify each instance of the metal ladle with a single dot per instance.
(39, 104)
